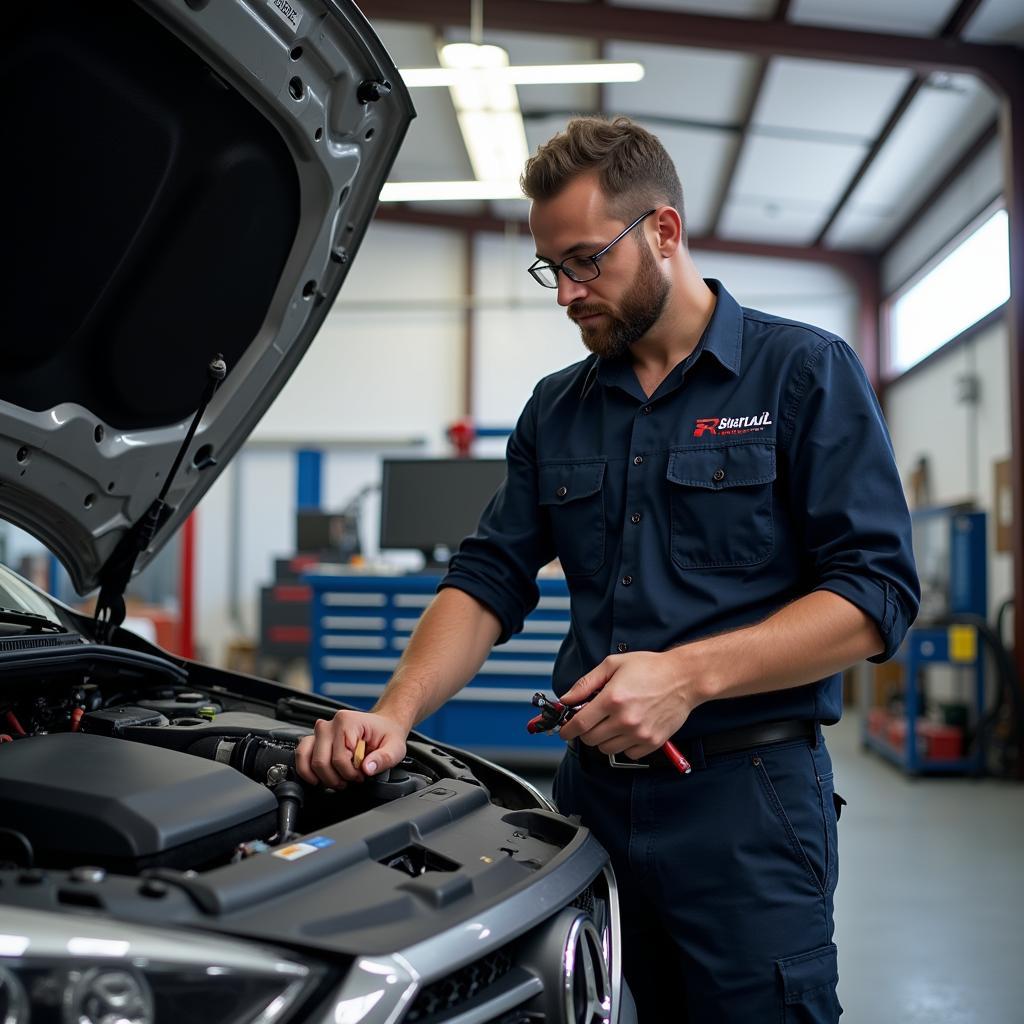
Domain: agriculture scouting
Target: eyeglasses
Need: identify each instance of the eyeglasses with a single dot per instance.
(578, 268)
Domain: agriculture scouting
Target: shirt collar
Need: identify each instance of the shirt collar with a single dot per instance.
(722, 338)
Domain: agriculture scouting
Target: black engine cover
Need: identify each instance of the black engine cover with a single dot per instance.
(125, 806)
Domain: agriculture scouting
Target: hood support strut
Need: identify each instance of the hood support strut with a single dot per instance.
(117, 570)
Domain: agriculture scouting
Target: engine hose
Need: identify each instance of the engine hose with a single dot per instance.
(289, 802)
(263, 760)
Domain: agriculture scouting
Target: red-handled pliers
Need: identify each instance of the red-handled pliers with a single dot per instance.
(554, 714)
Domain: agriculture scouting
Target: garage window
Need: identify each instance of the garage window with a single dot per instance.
(968, 283)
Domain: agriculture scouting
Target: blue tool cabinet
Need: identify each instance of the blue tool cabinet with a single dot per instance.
(361, 624)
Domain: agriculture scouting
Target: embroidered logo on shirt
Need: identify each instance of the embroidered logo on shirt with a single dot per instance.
(731, 425)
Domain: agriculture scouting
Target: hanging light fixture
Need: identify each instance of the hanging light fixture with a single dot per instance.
(482, 84)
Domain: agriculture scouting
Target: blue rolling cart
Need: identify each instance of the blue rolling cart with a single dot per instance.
(951, 550)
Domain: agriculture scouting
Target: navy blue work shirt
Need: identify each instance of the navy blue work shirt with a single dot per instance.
(759, 471)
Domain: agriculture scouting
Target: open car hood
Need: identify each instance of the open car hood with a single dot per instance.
(187, 178)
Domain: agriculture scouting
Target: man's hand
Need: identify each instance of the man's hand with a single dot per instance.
(327, 756)
(642, 699)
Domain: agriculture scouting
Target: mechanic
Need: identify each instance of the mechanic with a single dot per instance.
(720, 489)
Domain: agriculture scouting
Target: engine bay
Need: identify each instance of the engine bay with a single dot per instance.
(161, 774)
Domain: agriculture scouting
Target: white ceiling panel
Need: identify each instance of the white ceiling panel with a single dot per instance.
(813, 95)
(997, 21)
(906, 17)
(786, 223)
(433, 149)
(410, 45)
(701, 157)
(682, 82)
(794, 170)
(862, 227)
(931, 135)
(726, 8)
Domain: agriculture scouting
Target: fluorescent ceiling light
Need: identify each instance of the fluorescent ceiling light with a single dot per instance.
(483, 91)
(594, 72)
(420, 191)
(487, 107)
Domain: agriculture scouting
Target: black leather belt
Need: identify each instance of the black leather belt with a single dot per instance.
(701, 747)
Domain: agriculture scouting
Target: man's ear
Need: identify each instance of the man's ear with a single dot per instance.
(669, 227)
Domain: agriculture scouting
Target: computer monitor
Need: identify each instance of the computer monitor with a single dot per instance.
(428, 504)
(333, 536)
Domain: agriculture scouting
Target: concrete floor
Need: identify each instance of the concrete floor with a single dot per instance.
(930, 904)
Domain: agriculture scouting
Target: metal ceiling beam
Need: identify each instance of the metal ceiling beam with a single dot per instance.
(996, 63)
(781, 13)
(955, 24)
(400, 213)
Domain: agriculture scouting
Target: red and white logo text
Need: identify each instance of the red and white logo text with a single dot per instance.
(732, 425)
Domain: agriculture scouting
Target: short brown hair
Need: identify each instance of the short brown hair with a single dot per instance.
(632, 166)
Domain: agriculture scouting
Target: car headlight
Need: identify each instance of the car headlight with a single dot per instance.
(65, 969)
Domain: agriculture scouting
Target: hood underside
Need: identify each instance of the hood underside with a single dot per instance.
(186, 178)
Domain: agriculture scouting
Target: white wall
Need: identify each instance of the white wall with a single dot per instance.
(960, 440)
(814, 293)
(522, 333)
(388, 359)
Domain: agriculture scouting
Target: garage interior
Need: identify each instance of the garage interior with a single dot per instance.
(855, 166)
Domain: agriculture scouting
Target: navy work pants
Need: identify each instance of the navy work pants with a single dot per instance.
(726, 878)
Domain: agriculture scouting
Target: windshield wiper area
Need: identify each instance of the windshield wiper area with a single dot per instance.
(35, 623)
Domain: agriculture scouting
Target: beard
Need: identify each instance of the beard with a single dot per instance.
(639, 310)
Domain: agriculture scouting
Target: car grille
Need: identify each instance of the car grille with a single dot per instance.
(456, 988)
(471, 988)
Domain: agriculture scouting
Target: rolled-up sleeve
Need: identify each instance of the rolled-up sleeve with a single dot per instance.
(498, 563)
(845, 493)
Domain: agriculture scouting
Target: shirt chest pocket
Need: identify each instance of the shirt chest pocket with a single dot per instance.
(572, 494)
(721, 505)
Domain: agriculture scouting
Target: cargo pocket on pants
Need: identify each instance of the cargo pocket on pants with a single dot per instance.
(809, 987)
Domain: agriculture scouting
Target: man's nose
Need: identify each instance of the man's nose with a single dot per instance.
(570, 291)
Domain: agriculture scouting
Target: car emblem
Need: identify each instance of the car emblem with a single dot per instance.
(586, 984)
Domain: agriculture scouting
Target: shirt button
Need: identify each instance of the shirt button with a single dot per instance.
(638, 461)
(562, 492)
(635, 517)
(718, 475)
(626, 580)
(622, 648)
(647, 410)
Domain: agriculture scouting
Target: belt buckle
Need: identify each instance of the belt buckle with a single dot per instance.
(613, 760)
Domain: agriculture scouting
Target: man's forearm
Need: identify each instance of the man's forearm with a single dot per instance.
(810, 639)
(450, 643)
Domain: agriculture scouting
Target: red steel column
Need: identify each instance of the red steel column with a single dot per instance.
(186, 621)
